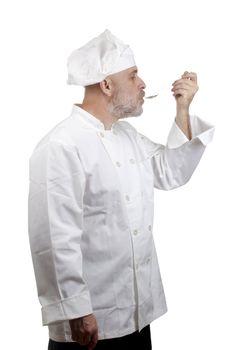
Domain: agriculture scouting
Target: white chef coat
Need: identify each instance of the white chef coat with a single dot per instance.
(91, 206)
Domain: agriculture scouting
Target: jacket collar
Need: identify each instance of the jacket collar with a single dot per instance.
(89, 118)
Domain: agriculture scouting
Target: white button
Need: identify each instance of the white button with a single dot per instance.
(101, 134)
(149, 227)
(142, 137)
(114, 132)
(148, 260)
(118, 164)
(132, 161)
(127, 198)
(135, 232)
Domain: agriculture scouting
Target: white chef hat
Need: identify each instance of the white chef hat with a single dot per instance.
(100, 57)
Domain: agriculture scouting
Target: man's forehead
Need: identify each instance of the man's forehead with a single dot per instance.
(132, 70)
(129, 71)
(125, 72)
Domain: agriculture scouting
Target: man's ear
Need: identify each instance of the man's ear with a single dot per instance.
(106, 86)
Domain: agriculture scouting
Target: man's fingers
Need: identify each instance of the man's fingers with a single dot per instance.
(87, 338)
(85, 330)
(186, 84)
(190, 75)
(93, 341)
(183, 83)
(181, 92)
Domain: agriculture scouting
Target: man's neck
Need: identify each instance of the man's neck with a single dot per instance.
(100, 113)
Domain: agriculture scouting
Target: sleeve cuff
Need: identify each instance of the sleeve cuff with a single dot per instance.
(200, 129)
(67, 309)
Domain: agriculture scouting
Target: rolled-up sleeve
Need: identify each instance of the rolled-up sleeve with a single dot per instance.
(55, 222)
(174, 164)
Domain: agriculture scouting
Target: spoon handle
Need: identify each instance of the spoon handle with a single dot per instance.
(152, 96)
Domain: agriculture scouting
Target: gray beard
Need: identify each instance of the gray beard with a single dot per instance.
(124, 110)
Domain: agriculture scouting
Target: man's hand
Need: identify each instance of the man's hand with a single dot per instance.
(85, 330)
(184, 90)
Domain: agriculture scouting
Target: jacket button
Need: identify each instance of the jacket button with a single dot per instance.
(149, 227)
(118, 164)
(135, 232)
(127, 198)
(101, 134)
(132, 161)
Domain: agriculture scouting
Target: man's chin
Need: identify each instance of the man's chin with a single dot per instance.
(137, 113)
(131, 113)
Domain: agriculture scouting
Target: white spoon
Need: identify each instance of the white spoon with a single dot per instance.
(157, 93)
(163, 87)
(152, 96)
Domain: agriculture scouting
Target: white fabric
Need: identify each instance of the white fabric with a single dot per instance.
(100, 57)
(91, 207)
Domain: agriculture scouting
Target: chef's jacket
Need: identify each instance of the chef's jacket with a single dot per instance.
(91, 207)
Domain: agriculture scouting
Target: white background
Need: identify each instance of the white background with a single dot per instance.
(193, 224)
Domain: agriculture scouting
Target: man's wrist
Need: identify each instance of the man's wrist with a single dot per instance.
(182, 113)
(183, 121)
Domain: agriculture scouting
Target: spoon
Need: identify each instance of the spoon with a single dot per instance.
(163, 87)
(152, 96)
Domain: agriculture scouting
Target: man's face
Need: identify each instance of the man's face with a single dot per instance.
(128, 93)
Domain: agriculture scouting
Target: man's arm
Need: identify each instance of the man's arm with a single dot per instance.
(55, 216)
(183, 121)
(184, 91)
(174, 164)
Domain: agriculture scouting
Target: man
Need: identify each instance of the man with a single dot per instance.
(91, 203)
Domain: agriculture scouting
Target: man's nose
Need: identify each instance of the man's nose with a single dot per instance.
(142, 84)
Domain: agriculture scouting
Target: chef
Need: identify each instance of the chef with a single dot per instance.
(91, 202)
